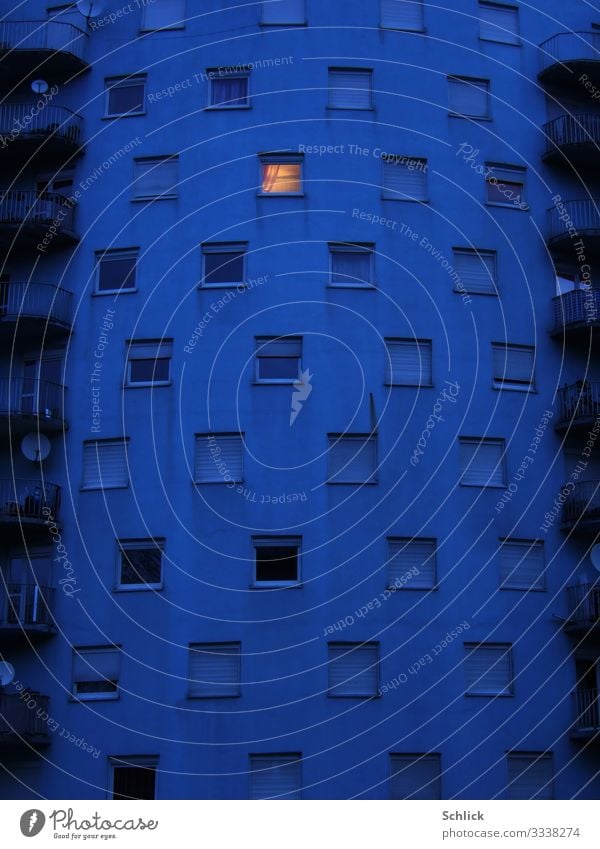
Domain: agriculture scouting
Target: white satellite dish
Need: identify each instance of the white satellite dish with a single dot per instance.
(595, 557)
(35, 446)
(90, 8)
(7, 673)
(39, 86)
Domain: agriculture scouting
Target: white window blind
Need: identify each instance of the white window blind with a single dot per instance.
(219, 458)
(155, 177)
(275, 776)
(468, 97)
(402, 14)
(477, 271)
(412, 563)
(404, 178)
(353, 669)
(530, 775)
(150, 349)
(352, 459)
(513, 366)
(488, 669)
(408, 362)
(499, 23)
(522, 564)
(105, 464)
(164, 14)
(350, 88)
(481, 462)
(215, 670)
(96, 664)
(351, 264)
(415, 776)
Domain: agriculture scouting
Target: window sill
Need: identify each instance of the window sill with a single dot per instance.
(222, 108)
(217, 286)
(280, 194)
(162, 29)
(98, 697)
(209, 698)
(483, 485)
(459, 115)
(368, 287)
(498, 41)
(283, 24)
(407, 588)
(118, 116)
(97, 294)
(330, 108)
(102, 488)
(153, 199)
(157, 385)
(410, 385)
(422, 31)
(142, 588)
(407, 200)
(524, 589)
(290, 382)
(230, 484)
(352, 483)
(516, 207)
(528, 390)
(361, 696)
(467, 292)
(277, 585)
(490, 695)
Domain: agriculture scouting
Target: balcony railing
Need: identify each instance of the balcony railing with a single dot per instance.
(26, 606)
(576, 219)
(43, 36)
(26, 499)
(587, 716)
(39, 301)
(39, 399)
(582, 507)
(24, 720)
(20, 121)
(576, 308)
(579, 404)
(566, 49)
(569, 131)
(27, 209)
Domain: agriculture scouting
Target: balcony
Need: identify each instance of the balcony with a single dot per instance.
(581, 510)
(47, 48)
(27, 502)
(587, 715)
(25, 611)
(31, 218)
(576, 313)
(22, 719)
(40, 310)
(54, 132)
(572, 222)
(579, 406)
(573, 139)
(568, 55)
(584, 609)
(27, 404)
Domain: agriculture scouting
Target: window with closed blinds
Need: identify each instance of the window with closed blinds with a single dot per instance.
(219, 458)
(283, 12)
(481, 462)
(353, 669)
(513, 366)
(352, 459)
(415, 776)
(522, 564)
(505, 185)
(96, 672)
(469, 97)
(402, 14)
(488, 668)
(105, 464)
(408, 362)
(404, 178)
(215, 670)
(530, 775)
(164, 14)
(155, 178)
(412, 563)
(499, 23)
(351, 264)
(350, 88)
(275, 776)
(477, 271)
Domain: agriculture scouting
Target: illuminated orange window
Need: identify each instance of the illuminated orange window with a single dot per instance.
(281, 174)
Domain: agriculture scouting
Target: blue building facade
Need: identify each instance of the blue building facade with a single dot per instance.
(299, 478)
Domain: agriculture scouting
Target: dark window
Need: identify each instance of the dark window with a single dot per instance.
(276, 563)
(140, 564)
(134, 782)
(116, 271)
(149, 371)
(96, 687)
(223, 267)
(125, 96)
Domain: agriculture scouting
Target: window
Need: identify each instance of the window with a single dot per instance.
(402, 14)
(281, 174)
(352, 459)
(155, 178)
(276, 561)
(164, 14)
(499, 23)
(219, 458)
(488, 669)
(105, 464)
(350, 88)
(278, 359)
(351, 264)
(276, 776)
(224, 263)
(411, 563)
(408, 362)
(149, 362)
(513, 366)
(215, 670)
(482, 462)
(96, 672)
(505, 186)
(477, 271)
(522, 565)
(469, 97)
(26, 588)
(404, 178)
(139, 564)
(116, 270)
(283, 12)
(228, 89)
(125, 95)
(134, 776)
(415, 776)
(353, 670)
(530, 775)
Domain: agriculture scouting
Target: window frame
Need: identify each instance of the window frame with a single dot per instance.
(364, 248)
(129, 81)
(335, 438)
(515, 170)
(116, 254)
(221, 643)
(532, 543)
(145, 384)
(99, 696)
(280, 158)
(338, 69)
(459, 78)
(518, 42)
(390, 194)
(221, 248)
(509, 691)
(177, 26)
(478, 440)
(260, 343)
(135, 181)
(356, 644)
(125, 440)
(131, 761)
(507, 385)
(483, 253)
(237, 74)
(272, 541)
(388, 361)
(232, 482)
(147, 543)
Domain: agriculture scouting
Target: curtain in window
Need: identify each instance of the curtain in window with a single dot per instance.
(283, 177)
(351, 267)
(231, 91)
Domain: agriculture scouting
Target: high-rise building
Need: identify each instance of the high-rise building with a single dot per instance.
(299, 489)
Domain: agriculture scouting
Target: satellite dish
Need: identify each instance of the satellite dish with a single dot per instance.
(35, 446)
(7, 673)
(39, 86)
(90, 8)
(595, 557)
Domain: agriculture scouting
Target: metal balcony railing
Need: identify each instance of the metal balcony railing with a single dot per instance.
(43, 301)
(25, 606)
(564, 47)
(45, 35)
(27, 397)
(582, 504)
(582, 216)
(570, 130)
(584, 604)
(21, 720)
(20, 207)
(19, 120)
(579, 402)
(587, 716)
(580, 306)
(25, 499)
